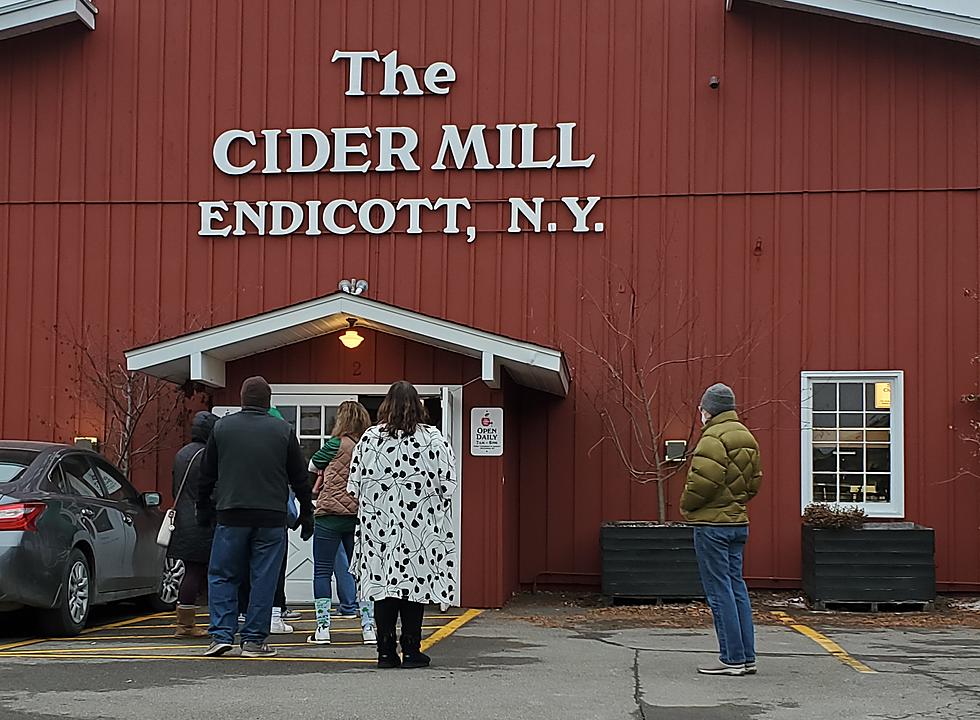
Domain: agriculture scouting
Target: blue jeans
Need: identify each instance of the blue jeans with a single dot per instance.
(329, 547)
(239, 554)
(345, 582)
(720, 550)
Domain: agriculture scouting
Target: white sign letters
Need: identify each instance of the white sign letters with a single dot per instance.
(505, 146)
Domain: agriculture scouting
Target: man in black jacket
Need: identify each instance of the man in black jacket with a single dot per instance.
(251, 461)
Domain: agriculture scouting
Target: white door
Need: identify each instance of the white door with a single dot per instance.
(452, 428)
(312, 418)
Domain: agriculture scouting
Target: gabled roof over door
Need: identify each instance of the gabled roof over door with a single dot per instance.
(201, 356)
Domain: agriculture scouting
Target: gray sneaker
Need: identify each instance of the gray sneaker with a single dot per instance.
(720, 668)
(257, 650)
(750, 668)
(217, 649)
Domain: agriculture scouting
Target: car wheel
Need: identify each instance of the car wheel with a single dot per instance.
(70, 618)
(170, 579)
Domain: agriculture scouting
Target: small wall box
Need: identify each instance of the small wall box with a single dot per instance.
(674, 450)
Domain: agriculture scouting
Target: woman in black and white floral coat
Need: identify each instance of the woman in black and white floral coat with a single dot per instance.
(404, 475)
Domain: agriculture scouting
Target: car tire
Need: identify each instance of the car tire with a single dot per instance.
(165, 598)
(76, 599)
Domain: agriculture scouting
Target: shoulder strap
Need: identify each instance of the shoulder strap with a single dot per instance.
(186, 473)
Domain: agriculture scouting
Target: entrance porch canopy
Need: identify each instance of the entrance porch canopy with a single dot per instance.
(201, 356)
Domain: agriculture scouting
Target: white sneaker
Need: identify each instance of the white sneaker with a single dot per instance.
(369, 634)
(320, 637)
(278, 627)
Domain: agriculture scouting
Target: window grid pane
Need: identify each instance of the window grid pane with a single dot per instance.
(851, 441)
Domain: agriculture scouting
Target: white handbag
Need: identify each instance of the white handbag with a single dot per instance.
(170, 518)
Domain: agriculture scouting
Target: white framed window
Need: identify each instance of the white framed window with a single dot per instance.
(852, 440)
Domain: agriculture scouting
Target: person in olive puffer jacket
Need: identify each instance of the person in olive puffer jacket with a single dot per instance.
(725, 475)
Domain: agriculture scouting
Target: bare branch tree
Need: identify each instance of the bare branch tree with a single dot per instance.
(142, 414)
(653, 367)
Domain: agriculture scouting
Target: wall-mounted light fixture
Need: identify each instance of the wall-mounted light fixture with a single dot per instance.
(87, 442)
(351, 338)
(353, 286)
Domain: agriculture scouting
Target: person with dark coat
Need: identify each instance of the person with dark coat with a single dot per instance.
(191, 543)
(250, 463)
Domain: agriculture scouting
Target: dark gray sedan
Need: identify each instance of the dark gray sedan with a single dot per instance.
(74, 533)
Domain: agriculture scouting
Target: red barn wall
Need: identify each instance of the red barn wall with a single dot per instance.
(827, 192)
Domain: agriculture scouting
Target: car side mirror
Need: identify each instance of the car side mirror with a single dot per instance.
(152, 499)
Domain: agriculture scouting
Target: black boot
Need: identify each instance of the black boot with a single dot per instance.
(388, 650)
(386, 621)
(414, 657)
(412, 614)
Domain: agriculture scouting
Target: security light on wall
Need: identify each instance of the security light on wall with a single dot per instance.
(353, 286)
(675, 450)
(87, 442)
(351, 339)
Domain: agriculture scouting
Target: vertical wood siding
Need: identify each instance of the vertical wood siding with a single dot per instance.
(827, 192)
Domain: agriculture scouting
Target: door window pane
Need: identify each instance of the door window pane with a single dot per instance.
(310, 420)
(309, 446)
(288, 413)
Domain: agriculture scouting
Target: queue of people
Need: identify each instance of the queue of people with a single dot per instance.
(382, 499)
(376, 497)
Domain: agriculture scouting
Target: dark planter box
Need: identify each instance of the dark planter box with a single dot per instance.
(880, 563)
(647, 561)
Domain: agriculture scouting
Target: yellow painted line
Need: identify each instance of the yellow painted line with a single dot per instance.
(825, 642)
(333, 630)
(64, 655)
(110, 626)
(294, 623)
(176, 646)
(449, 628)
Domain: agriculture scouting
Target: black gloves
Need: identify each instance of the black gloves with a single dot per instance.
(306, 527)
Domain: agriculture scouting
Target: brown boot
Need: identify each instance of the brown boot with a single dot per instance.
(186, 623)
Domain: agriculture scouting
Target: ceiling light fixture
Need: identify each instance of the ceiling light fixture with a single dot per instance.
(351, 339)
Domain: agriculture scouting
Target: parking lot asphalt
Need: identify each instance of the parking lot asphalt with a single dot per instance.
(494, 666)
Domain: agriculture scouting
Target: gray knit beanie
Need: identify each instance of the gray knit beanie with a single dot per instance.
(717, 399)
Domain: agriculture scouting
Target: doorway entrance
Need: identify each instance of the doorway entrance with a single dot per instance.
(311, 410)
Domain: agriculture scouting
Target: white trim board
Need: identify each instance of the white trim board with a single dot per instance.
(951, 19)
(19, 17)
(201, 356)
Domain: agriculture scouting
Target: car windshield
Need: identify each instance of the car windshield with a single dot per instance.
(13, 463)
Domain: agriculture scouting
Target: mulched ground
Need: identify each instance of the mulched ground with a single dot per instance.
(590, 611)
